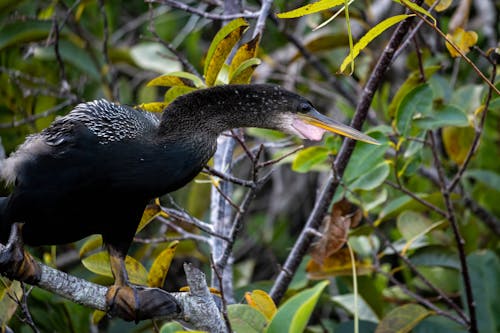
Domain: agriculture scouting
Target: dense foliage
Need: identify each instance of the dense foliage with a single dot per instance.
(417, 216)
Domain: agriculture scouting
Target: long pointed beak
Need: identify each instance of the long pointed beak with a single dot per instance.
(317, 119)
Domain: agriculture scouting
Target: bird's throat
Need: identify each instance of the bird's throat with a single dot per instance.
(307, 131)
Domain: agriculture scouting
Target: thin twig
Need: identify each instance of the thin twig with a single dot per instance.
(415, 197)
(261, 19)
(478, 131)
(458, 237)
(34, 117)
(180, 56)
(221, 290)
(227, 177)
(192, 10)
(457, 49)
(414, 269)
(417, 297)
(185, 234)
(279, 159)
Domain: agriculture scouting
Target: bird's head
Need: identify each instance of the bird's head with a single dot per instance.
(270, 106)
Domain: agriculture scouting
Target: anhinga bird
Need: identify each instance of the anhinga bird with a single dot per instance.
(94, 170)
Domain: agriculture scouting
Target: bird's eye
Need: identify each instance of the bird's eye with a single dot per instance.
(304, 107)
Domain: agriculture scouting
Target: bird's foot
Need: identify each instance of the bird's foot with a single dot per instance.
(137, 303)
(15, 262)
(123, 302)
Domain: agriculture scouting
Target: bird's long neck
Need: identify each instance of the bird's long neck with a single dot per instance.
(211, 111)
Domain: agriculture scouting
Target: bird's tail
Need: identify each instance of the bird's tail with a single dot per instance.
(4, 224)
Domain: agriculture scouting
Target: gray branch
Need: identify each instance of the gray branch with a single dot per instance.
(197, 307)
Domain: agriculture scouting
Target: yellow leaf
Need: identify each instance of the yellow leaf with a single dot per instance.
(245, 52)
(369, 36)
(441, 6)
(261, 301)
(97, 315)
(311, 8)
(10, 291)
(463, 40)
(338, 264)
(98, 263)
(416, 8)
(156, 107)
(159, 269)
(177, 79)
(213, 291)
(149, 214)
(221, 47)
(457, 142)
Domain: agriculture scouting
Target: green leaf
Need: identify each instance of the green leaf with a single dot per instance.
(323, 42)
(154, 57)
(487, 177)
(180, 78)
(372, 179)
(98, 263)
(419, 100)
(266, 134)
(346, 301)
(413, 80)
(402, 319)
(436, 255)
(220, 48)
(294, 314)
(311, 8)
(448, 115)
(244, 318)
(171, 327)
(484, 271)
(243, 73)
(439, 324)
(18, 33)
(369, 36)
(177, 91)
(404, 202)
(309, 157)
(411, 224)
(71, 53)
(363, 160)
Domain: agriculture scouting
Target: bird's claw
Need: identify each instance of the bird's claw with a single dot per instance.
(15, 263)
(137, 303)
(123, 302)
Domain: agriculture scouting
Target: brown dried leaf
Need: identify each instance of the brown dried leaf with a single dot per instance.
(335, 229)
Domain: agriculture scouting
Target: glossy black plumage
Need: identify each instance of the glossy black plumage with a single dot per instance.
(94, 170)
